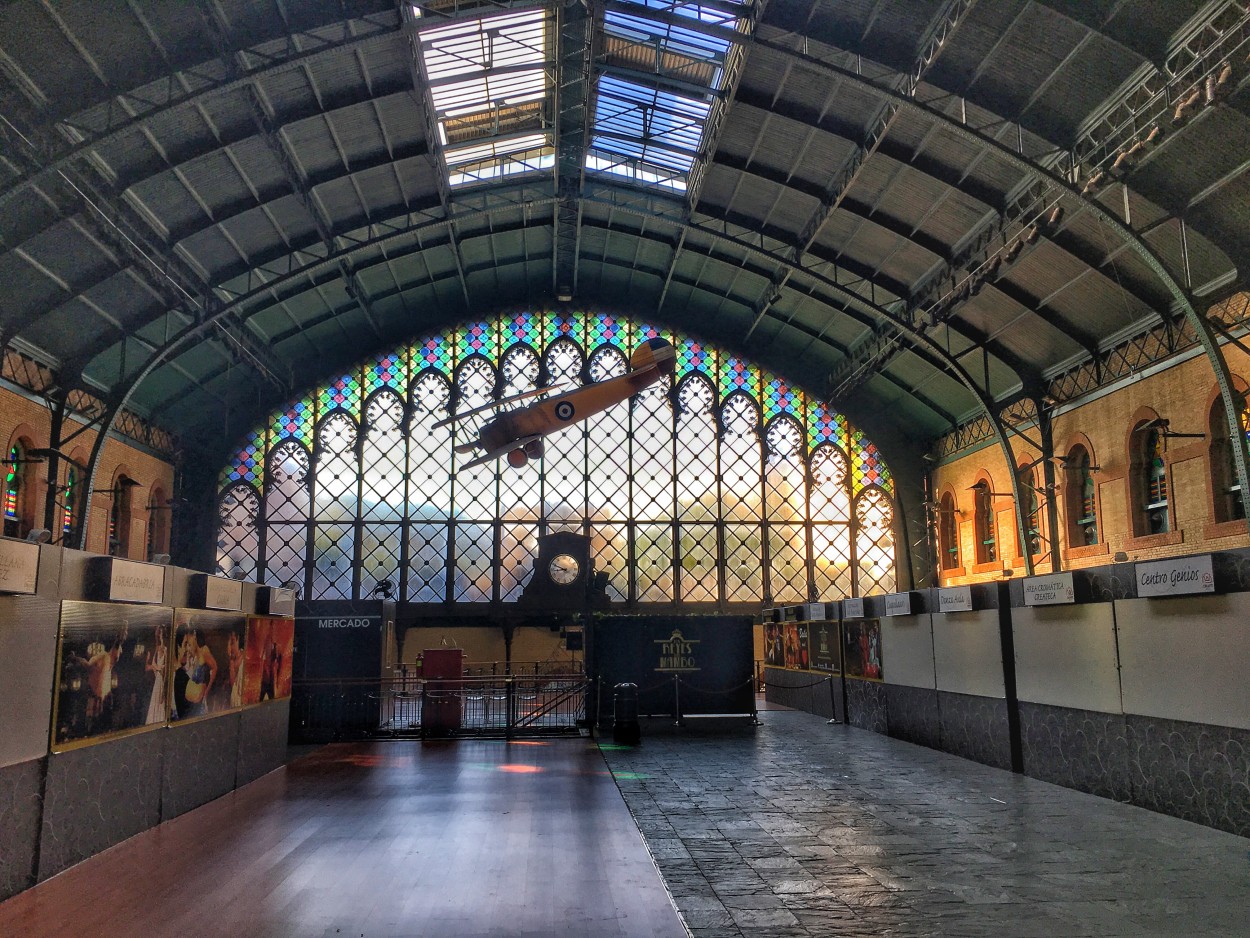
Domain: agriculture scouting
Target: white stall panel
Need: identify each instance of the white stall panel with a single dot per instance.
(1065, 656)
(969, 653)
(1187, 658)
(907, 650)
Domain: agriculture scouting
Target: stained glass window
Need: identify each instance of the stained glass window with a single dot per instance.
(1225, 487)
(689, 492)
(13, 492)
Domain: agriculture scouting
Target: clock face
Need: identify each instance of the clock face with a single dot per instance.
(563, 569)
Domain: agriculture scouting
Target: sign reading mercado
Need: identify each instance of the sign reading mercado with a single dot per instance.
(1178, 576)
(1054, 589)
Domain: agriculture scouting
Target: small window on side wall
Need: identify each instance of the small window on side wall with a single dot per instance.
(948, 533)
(1225, 487)
(1149, 480)
(1080, 498)
(985, 523)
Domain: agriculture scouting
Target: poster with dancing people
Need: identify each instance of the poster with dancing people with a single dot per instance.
(207, 663)
(113, 665)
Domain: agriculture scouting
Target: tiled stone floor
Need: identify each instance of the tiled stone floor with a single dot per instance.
(808, 829)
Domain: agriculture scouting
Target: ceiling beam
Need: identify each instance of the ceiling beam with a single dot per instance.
(947, 20)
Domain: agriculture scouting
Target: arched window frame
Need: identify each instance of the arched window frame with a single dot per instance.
(19, 488)
(1226, 508)
(1081, 501)
(1150, 501)
(1034, 511)
(986, 544)
(121, 513)
(738, 531)
(949, 550)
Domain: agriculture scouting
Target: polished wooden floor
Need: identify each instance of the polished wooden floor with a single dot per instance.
(450, 839)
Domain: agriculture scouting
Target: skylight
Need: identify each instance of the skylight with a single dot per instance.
(488, 80)
(662, 68)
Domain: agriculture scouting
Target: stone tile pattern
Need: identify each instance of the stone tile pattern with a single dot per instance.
(1078, 749)
(262, 740)
(805, 691)
(974, 727)
(913, 714)
(866, 705)
(20, 798)
(802, 829)
(1197, 772)
(98, 796)
(199, 763)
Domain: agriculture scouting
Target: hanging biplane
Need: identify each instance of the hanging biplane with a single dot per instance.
(519, 433)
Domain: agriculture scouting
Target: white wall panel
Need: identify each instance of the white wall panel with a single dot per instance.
(967, 650)
(1187, 658)
(907, 650)
(1065, 656)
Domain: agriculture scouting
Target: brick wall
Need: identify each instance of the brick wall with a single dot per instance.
(1183, 395)
(30, 421)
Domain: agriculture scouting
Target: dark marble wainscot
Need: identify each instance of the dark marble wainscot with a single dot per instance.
(200, 757)
(20, 797)
(1080, 749)
(913, 714)
(262, 740)
(975, 728)
(866, 705)
(98, 796)
(1191, 770)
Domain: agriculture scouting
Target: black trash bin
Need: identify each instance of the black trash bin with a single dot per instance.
(625, 727)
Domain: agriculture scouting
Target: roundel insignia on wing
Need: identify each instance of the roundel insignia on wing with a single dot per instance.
(564, 410)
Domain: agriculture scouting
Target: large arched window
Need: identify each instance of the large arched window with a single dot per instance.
(1034, 528)
(1226, 501)
(1080, 498)
(19, 509)
(985, 524)
(724, 485)
(1148, 479)
(948, 532)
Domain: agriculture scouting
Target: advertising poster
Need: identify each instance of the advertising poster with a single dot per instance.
(112, 671)
(796, 649)
(208, 663)
(826, 648)
(861, 648)
(267, 663)
(774, 645)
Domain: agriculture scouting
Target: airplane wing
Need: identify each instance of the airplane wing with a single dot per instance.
(495, 404)
(502, 451)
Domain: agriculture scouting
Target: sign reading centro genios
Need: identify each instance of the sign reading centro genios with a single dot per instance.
(1054, 589)
(1177, 576)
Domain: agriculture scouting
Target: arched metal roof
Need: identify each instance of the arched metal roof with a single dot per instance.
(914, 206)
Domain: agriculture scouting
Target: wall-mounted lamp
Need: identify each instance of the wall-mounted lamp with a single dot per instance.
(1008, 573)
(1162, 423)
(39, 536)
(983, 489)
(124, 482)
(1120, 557)
(1065, 463)
(47, 451)
(161, 558)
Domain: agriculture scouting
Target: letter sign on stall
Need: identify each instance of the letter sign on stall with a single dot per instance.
(1176, 577)
(1053, 589)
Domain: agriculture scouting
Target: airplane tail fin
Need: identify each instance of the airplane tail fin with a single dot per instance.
(654, 353)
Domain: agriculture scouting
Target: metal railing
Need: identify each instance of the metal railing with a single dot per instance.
(489, 705)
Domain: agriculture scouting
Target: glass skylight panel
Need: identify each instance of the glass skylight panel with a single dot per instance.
(658, 84)
(487, 81)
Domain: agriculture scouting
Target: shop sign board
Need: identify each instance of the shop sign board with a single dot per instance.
(1053, 589)
(898, 604)
(955, 599)
(853, 608)
(1176, 576)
